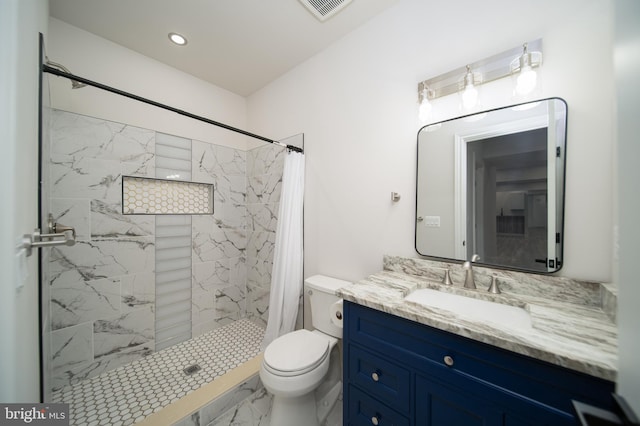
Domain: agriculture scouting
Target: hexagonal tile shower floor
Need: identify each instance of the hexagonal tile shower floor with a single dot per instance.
(130, 393)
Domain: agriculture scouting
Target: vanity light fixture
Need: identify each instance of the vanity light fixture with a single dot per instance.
(425, 108)
(178, 39)
(522, 63)
(522, 68)
(469, 94)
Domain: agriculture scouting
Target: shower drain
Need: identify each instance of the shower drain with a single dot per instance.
(192, 369)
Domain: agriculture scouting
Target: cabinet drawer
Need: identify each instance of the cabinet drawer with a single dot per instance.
(364, 410)
(425, 348)
(381, 378)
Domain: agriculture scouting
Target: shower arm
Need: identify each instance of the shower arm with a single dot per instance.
(61, 71)
(75, 84)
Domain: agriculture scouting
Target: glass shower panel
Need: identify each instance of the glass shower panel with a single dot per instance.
(46, 367)
(102, 288)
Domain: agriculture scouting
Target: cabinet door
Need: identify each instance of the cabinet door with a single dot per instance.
(537, 418)
(438, 404)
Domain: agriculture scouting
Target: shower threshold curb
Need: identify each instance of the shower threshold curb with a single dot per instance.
(199, 398)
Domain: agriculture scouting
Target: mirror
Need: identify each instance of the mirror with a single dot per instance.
(492, 184)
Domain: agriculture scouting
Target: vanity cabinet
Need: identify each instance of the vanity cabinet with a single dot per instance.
(400, 372)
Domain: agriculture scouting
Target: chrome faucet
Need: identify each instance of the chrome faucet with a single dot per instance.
(469, 281)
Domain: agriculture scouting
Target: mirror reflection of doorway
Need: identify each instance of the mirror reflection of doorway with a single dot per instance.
(509, 199)
(451, 224)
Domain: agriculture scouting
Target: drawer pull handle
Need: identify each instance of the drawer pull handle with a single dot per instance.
(375, 420)
(375, 376)
(448, 360)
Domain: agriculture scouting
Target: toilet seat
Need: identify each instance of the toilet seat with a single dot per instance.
(296, 353)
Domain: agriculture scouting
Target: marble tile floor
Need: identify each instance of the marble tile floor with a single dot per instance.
(128, 394)
(256, 411)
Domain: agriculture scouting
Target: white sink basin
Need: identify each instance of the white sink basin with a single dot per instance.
(474, 310)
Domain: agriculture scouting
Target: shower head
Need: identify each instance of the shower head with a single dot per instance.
(74, 84)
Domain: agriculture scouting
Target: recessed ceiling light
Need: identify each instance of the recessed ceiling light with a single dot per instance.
(178, 39)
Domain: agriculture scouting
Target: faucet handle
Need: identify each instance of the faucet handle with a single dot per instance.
(475, 258)
(494, 288)
(447, 277)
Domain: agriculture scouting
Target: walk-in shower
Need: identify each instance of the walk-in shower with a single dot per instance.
(146, 308)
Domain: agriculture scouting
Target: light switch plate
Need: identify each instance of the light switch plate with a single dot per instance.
(432, 221)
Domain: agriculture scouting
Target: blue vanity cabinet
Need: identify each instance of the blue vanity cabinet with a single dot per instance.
(399, 372)
(439, 403)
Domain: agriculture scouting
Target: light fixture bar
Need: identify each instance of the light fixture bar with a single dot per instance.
(484, 71)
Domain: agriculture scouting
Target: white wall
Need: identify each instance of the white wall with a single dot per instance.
(627, 61)
(100, 60)
(356, 102)
(20, 23)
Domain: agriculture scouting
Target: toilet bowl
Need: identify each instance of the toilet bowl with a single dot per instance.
(295, 364)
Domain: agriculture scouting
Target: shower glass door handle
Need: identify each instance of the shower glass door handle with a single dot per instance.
(58, 235)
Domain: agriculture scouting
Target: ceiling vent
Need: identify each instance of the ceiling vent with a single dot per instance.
(325, 9)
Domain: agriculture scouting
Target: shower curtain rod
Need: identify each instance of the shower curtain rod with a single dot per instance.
(59, 73)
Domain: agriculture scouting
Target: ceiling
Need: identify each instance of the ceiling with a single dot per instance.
(239, 45)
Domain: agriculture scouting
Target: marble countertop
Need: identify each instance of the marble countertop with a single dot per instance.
(578, 337)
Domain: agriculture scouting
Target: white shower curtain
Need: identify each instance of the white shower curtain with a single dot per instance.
(286, 276)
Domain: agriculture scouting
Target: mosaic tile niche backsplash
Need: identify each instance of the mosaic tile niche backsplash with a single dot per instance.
(158, 196)
(103, 289)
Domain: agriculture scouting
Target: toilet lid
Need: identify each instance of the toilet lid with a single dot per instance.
(296, 352)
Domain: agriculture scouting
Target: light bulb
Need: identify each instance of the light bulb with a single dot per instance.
(178, 39)
(424, 111)
(469, 97)
(526, 81)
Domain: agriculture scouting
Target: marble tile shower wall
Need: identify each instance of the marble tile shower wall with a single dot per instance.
(264, 180)
(102, 295)
(103, 289)
(219, 241)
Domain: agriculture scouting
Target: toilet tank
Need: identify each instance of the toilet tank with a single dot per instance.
(321, 290)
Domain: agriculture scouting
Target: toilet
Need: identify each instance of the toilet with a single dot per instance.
(295, 364)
